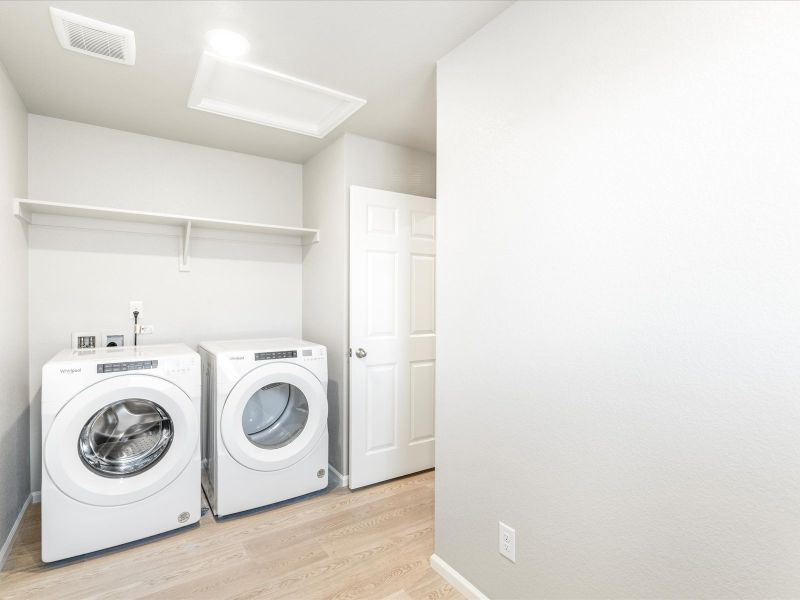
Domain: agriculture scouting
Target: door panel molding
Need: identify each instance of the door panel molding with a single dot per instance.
(392, 317)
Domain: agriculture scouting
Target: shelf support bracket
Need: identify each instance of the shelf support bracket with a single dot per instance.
(21, 213)
(186, 238)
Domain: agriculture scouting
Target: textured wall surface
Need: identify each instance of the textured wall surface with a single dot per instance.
(14, 457)
(325, 272)
(618, 301)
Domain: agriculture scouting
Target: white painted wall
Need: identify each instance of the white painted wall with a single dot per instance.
(84, 164)
(376, 164)
(84, 279)
(324, 271)
(350, 160)
(14, 458)
(619, 308)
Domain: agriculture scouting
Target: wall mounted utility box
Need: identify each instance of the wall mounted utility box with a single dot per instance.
(113, 340)
(83, 340)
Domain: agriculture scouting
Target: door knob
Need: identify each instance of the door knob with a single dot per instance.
(361, 353)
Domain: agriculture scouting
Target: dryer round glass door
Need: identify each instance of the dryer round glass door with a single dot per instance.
(125, 437)
(275, 415)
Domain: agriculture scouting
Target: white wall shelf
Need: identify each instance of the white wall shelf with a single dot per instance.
(27, 210)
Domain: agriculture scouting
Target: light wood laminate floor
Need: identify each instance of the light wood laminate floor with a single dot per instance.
(371, 543)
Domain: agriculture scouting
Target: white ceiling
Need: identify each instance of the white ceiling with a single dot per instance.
(383, 51)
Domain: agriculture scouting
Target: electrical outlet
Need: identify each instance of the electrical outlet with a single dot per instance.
(508, 542)
(147, 329)
(135, 305)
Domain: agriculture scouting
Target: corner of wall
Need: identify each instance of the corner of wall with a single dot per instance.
(324, 282)
(14, 366)
(349, 160)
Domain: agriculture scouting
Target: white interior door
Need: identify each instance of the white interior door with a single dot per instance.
(392, 334)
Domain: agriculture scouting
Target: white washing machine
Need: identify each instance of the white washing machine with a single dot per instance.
(120, 446)
(265, 422)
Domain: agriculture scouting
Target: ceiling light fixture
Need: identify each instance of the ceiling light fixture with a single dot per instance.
(227, 43)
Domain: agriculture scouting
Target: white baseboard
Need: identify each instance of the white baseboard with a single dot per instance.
(456, 579)
(36, 497)
(6, 549)
(343, 479)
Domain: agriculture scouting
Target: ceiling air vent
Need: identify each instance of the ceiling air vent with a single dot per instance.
(94, 38)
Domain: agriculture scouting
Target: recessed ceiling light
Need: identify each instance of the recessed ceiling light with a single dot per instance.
(227, 43)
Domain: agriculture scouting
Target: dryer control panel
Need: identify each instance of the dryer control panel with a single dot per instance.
(274, 355)
(127, 366)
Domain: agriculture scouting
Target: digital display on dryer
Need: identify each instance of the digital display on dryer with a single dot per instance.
(127, 366)
(274, 355)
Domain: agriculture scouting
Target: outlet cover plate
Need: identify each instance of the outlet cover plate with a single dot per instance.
(508, 542)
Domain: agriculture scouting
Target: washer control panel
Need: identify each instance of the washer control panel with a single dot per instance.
(127, 366)
(274, 355)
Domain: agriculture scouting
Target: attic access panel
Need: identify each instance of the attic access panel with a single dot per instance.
(252, 93)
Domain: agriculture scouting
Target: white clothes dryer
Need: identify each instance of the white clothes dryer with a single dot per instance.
(265, 422)
(120, 446)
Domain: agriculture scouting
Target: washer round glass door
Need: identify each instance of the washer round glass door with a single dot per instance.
(125, 437)
(121, 440)
(274, 416)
